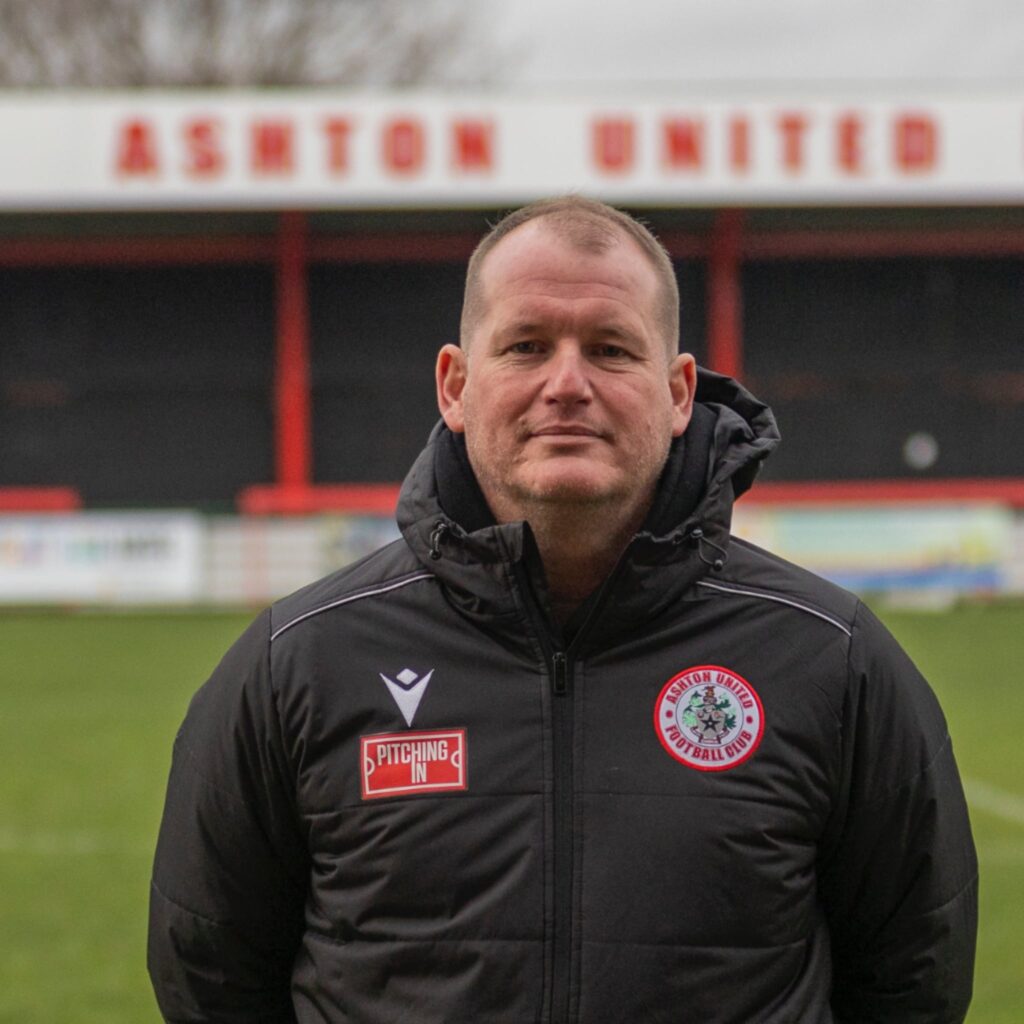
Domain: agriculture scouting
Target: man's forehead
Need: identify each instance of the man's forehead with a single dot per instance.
(528, 316)
(538, 247)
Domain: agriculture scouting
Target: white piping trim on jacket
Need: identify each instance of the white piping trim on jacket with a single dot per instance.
(781, 600)
(351, 597)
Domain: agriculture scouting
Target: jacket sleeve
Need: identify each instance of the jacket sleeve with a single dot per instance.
(898, 872)
(231, 867)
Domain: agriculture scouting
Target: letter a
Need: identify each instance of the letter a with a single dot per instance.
(136, 150)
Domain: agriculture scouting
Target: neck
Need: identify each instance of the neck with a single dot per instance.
(578, 547)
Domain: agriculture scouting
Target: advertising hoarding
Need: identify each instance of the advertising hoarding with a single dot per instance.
(104, 558)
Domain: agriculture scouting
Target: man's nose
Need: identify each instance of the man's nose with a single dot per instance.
(568, 379)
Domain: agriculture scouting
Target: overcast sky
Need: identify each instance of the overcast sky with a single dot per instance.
(585, 43)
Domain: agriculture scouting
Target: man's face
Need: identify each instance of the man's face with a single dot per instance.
(566, 391)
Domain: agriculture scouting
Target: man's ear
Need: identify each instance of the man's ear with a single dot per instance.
(450, 375)
(682, 382)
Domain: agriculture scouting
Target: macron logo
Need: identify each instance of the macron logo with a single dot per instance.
(408, 688)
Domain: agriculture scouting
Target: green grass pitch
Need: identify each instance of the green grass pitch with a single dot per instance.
(89, 704)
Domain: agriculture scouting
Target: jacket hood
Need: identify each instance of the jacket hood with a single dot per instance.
(446, 521)
(745, 429)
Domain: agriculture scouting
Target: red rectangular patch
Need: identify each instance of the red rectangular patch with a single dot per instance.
(427, 761)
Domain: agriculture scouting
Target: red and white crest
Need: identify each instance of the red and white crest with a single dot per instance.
(709, 718)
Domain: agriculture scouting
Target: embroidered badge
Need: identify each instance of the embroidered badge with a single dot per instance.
(428, 761)
(709, 718)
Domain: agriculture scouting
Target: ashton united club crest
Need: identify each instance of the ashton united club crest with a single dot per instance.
(709, 718)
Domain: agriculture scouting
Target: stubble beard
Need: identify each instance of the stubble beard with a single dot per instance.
(567, 505)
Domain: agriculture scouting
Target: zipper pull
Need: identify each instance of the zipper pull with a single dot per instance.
(560, 675)
(436, 536)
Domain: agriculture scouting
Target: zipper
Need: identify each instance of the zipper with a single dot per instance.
(563, 838)
(559, 674)
(560, 668)
(564, 826)
(563, 834)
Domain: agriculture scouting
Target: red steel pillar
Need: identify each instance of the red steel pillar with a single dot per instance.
(293, 458)
(725, 299)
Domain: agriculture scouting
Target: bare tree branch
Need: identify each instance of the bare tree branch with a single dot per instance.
(168, 43)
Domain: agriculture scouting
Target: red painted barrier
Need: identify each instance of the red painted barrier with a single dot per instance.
(39, 499)
(354, 499)
(1007, 491)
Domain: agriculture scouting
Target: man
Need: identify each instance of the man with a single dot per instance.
(568, 751)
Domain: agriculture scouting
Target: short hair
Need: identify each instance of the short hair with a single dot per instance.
(590, 226)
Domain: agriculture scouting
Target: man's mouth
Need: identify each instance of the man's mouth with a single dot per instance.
(565, 430)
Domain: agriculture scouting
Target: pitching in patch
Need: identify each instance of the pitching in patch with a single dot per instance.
(709, 718)
(399, 763)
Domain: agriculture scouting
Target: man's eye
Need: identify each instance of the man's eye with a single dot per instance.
(610, 351)
(524, 348)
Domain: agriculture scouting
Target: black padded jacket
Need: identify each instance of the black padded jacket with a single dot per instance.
(724, 794)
